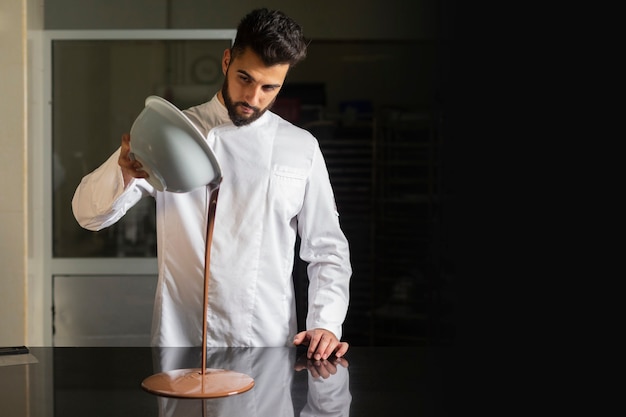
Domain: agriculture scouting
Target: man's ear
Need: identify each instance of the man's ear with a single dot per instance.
(225, 60)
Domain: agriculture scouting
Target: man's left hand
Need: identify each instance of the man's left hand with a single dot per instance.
(322, 343)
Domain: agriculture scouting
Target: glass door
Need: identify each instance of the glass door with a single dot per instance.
(98, 82)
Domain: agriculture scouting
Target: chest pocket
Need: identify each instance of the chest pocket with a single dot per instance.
(288, 184)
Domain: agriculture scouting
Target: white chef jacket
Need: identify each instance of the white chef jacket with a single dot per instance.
(275, 184)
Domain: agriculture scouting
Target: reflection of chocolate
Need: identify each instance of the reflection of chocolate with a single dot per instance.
(201, 382)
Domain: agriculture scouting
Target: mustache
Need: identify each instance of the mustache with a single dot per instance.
(244, 104)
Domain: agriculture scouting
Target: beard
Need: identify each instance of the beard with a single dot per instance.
(231, 106)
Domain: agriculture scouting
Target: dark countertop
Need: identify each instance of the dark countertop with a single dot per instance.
(377, 381)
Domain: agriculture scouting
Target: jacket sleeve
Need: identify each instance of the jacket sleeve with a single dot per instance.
(325, 248)
(100, 199)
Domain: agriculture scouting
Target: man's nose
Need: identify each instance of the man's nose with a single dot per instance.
(253, 95)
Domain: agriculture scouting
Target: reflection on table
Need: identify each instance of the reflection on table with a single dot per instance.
(328, 393)
(106, 381)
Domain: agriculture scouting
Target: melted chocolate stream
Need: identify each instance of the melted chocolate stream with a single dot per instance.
(201, 383)
(207, 263)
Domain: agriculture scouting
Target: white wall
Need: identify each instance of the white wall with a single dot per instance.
(18, 100)
(13, 244)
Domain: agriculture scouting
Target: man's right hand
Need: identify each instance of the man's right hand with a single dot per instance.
(131, 168)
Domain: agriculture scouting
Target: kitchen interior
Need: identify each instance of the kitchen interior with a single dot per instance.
(370, 93)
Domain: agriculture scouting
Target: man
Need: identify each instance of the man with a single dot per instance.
(275, 184)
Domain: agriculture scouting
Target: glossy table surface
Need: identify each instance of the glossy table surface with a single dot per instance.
(370, 381)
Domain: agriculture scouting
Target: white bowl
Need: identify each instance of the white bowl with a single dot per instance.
(171, 149)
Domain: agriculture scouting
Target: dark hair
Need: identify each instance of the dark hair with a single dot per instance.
(272, 35)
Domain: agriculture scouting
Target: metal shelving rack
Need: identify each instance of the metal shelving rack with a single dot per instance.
(405, 200)
(385, 171)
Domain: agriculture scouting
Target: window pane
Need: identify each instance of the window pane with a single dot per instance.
(103, 310)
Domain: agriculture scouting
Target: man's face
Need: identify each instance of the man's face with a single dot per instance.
(250, 87)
